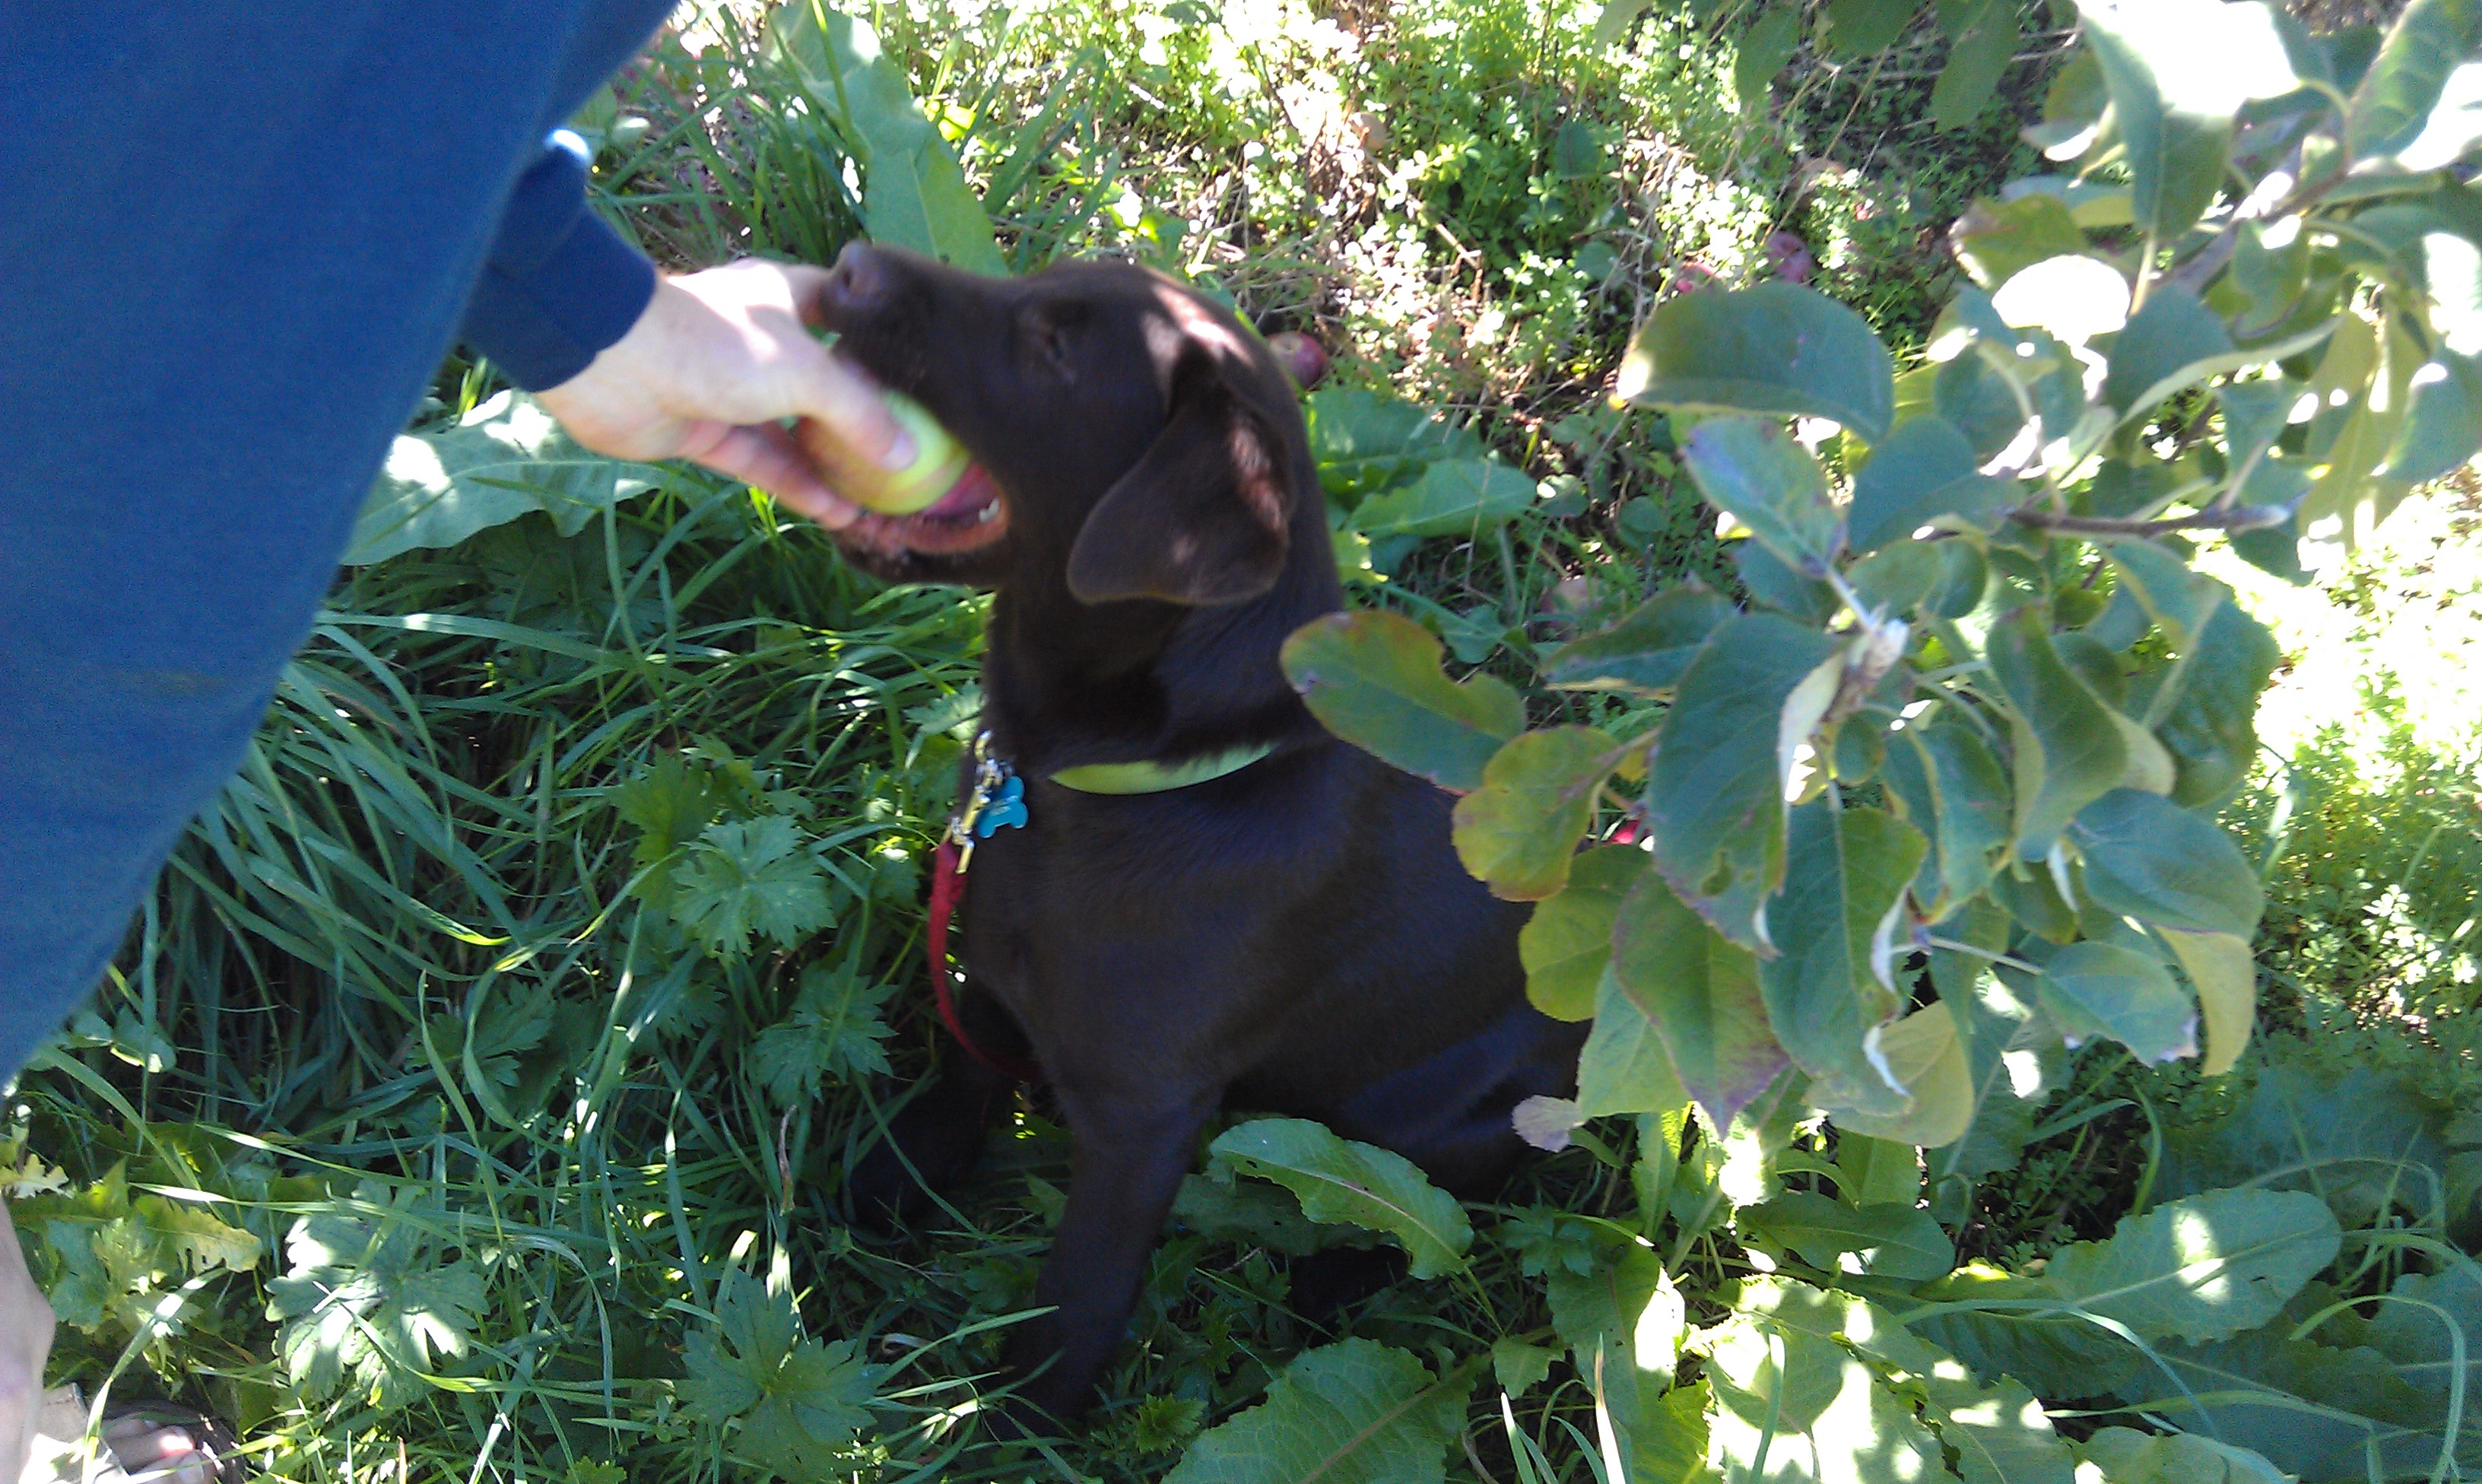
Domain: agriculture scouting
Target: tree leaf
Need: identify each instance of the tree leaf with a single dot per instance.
(1518, 832)
(2220, 969)
(2209, 729)
(2177, 71)
(1752, 469)
(1975, 60)
(1338, 1179)
(1777, 347)
(1568, 941)
(2164, 348)
(2067, 752)
(2180, 599)
(1923, 1052)
(1765, 47)
(1999, 239)
(1461, 497)
(1951, 789)
(1701, 993)
(2395, 96)
(1856, 27)
(1624, 1067)
(1844, 880)
(1373, 679)
(1893, 1241)
(504, 459)
(2102, 989)
(1356, 1412)
(914, 194)
(1646, 651)
(2127, 1456)
(1923, 475)
(2148, 858)
(1715, 793)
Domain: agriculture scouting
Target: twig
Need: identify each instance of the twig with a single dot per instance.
(2247, 517)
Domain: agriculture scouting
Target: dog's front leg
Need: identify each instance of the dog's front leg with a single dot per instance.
(1126, 1163)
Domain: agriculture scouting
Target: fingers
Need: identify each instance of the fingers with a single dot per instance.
(835, 393)
(767, 457)
(810, 286)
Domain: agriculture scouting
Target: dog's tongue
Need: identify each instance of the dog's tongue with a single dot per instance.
(971, 492)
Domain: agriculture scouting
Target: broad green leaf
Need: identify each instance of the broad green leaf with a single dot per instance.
(1373, 679)
(1624, 1067)
(2000, 1433)
(1950, 788)
(1752, 469)
(2314, 1411)
(1568, 941)
(1876, 1172)
(2093, 989)
(2403, 85)
(1246, 1211)
(1856, 27)
(1356, 1412)
(1898, 579)
(1627, 1310)
(1519, 1367)
(2454, 127)
(1843, 890)
(1715, 793)
(504, 459)
(1365, 441)
(1644, 652)
(2067, 752)
(1891, 1241)
(1924, 1053)
(2177, 71)
(1777, 347)
(1923, 475)
(2416, 1329)
(2209, 729)
(1340, 1181)
(2220, 969)
(913, 192)
(2172, 342)
(2172, 594)
(1461, 497)
(2444, 428)
(1998, 239)
(1772, 583)
(2200, 1269)
(2002, 1324)
(2127, 1456)
(1765, 47)
(1975, 60)
(1701, 993)
(2151, 859)
(1999, 1032)
(1518, 832)
(1798, 1406)
(2361, 1137)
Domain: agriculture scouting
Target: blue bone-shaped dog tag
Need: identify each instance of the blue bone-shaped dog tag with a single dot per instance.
(1006, 808)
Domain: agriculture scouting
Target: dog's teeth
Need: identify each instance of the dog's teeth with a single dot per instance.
(987, 514)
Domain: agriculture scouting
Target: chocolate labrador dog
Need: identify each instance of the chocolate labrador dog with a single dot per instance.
(1292, 935)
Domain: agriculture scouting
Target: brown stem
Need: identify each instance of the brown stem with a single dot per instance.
(2247, 517)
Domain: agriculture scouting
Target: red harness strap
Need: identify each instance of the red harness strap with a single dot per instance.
(947, 884)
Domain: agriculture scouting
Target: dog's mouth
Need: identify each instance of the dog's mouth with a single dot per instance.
(972, 515)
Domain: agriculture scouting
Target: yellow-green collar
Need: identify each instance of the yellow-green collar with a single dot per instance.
(1158, 777)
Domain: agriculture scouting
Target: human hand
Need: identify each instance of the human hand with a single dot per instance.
(25, 1339)
(713, 362)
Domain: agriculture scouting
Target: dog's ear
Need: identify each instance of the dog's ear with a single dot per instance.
(1203, 519)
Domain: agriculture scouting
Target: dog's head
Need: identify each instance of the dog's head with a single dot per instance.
(1142, 442)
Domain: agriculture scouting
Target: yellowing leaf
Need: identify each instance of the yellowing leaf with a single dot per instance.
(1373, 678)
(1519, 831)
(2218, 964)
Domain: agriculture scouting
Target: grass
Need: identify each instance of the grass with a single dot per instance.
(442, 1003)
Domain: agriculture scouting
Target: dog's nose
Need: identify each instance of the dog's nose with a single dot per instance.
(859, 282)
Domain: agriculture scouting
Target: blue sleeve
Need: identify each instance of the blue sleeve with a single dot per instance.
(559, 283)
